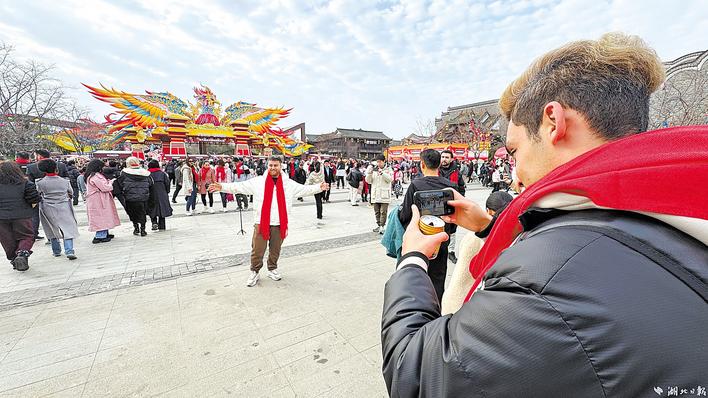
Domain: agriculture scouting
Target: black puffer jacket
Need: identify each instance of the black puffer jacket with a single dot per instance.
(134, 185)
(355, 177)
(16, 200)
(110, 172)
(573, 309)
(73, 174)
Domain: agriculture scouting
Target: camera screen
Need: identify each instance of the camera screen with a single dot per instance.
(433, 203)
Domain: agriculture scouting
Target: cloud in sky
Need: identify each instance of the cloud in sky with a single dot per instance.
(377, 65)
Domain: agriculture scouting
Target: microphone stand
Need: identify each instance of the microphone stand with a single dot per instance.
(240, 217)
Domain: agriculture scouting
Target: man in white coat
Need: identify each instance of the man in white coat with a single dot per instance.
(273, 195)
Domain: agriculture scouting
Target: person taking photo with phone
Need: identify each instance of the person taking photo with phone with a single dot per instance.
(592, 282)
(431, 180)
(379, 177)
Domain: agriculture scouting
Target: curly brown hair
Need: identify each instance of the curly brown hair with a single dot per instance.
(608, 81)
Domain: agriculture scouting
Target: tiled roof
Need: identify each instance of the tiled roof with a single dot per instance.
(366, 134)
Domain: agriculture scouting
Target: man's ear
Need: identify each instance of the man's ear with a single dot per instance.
(554, 117)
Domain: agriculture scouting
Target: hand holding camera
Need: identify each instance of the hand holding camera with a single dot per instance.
(416, 240)
(467, 214)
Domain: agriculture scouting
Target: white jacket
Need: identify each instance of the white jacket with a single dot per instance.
(256, 187)
(380, 184)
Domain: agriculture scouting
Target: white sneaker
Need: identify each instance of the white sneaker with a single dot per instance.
(377, 229)
(382, 230)
(274, 275)
(253, 279)
(225, 210)
(189, 213)
(211, 210)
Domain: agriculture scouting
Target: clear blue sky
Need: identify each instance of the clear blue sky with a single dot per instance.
(379, 65)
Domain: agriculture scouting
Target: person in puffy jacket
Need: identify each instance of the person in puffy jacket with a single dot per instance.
(594, 281)
(134, 185)
(73, 174)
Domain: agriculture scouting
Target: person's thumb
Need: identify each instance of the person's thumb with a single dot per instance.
(455, 202)
(415, 214)
(415, 217)
(441, 237)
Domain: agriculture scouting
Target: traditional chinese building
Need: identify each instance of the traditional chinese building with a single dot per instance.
(453, 125)
(351, 143)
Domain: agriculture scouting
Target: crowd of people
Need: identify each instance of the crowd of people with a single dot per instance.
(148, 191)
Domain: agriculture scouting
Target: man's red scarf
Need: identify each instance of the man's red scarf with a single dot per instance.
(265, 210)
(22, 161)
(239, 170)
(154, 169)
(640, 173)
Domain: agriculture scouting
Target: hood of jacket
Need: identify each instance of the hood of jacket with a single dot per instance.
(136, 172)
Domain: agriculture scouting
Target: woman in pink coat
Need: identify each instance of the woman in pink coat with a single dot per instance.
(100, 207)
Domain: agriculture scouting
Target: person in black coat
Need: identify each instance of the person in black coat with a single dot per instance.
(112, 171)
(134, 185)
(17, 197)
(329, 177)
(170, 169)
(159, 206)
(300, 174)
(73, 173)
(580, 300)
(355, 178)
(429, 162)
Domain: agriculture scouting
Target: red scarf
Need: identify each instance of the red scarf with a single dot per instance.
(637, 173)
(220, 174)
(22, 161)
(265, 210)
(154, 169)
(204, 172)
(50, 174)
(239, 169)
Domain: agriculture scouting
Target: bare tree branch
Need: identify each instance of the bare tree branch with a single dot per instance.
(31, 101)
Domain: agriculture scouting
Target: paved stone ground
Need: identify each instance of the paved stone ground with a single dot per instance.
(84, 328)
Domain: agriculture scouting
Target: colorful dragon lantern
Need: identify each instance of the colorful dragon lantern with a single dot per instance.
(87, 136)
(162, 117)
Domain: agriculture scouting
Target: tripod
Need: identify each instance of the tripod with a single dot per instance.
(240, 217)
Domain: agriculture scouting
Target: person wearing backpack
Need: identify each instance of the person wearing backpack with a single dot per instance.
(170, 169)
(135, 184)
